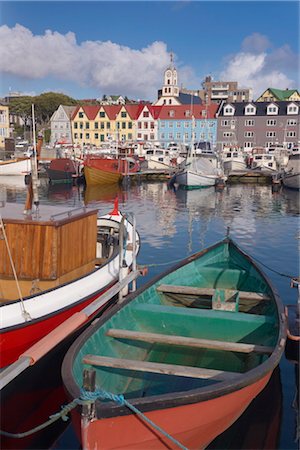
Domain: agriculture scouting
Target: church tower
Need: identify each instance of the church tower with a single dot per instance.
(170, 89)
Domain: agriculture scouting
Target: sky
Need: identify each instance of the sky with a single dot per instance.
(86, 49)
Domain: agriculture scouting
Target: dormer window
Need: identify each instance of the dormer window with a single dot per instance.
(228, 110)
(171, 113)
(250, 110)
(187, 113)
(272, 109)
(292, 108)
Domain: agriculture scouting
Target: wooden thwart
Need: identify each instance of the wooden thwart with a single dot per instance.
(166, 369)
(188, 341)
(190, 290)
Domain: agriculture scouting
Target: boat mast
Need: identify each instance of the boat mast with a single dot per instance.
(32, 192)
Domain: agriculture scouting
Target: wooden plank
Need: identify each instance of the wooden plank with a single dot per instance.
(190, 290)
(188, 341)
(166, 369)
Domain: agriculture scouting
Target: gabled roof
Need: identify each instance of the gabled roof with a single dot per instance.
(89, 110)
(112, 111)
(179, 112)
(261, 107)
(68, 110)
(281, 94)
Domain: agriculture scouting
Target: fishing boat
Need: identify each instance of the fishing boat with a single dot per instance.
(291, 174)
(15, 166)
(233, 159)
(63, 170)
(55, 262)
(197, 172)
(104, 170)
(180, 359)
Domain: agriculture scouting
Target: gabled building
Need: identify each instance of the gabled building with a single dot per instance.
(183, 123)
(60, 124)
(146, 123)
(112, 100)
(274, 95)
(5, 130)
(258, 124)
(83, 125)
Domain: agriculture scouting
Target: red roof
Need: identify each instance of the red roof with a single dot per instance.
(185, 112)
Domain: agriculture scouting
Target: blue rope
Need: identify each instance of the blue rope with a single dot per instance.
(119, 399)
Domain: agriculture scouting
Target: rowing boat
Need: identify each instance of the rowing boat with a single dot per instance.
(179, 361)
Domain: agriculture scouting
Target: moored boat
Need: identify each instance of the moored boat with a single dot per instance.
(189, 350)
(63, 170)
(100, 171)
(15, 166)
(62, 260)
(291, 175)
(233, 159)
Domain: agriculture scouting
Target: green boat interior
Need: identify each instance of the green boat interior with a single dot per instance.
(208, 321)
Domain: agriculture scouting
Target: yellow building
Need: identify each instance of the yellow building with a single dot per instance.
(4, 125)
(273, 95)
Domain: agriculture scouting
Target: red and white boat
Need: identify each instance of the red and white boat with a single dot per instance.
(53, 264)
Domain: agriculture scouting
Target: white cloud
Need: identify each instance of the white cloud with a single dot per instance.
(106, 66)
(258, 69)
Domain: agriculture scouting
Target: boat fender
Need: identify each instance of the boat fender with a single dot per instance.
(143, 271)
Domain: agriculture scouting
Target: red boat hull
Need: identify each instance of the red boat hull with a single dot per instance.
(18, 339)
(193, 425)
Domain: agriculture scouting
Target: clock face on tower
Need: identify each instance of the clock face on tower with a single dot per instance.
(168, 73)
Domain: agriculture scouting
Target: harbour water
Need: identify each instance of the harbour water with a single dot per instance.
(176, 223)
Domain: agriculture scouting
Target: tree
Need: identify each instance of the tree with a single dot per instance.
(47, 103)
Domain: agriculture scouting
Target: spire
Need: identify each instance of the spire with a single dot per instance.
(172, 60)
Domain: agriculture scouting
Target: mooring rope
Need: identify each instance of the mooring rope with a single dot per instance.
(88, 398)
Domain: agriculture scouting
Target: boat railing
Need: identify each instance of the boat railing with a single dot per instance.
(68, 213)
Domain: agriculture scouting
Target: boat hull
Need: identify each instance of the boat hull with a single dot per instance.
(292, 181)
(234, 165)
(16, 340)
(193, 180)
(95, 176)
(194, 425)
(21, 167)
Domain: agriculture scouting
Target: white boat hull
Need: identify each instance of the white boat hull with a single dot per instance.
(21, 167)
(64, 296)
(234, 165)
(292, 181)
(194, 180)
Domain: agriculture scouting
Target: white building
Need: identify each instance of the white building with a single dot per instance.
(61, 125)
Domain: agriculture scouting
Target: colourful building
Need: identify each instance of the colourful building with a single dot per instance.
(4, 125)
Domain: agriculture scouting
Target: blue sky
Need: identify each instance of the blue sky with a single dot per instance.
(87, 49)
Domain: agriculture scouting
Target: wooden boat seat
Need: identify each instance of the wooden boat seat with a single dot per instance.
(207, 292)
(188, 341)
(206, 314)
(167, 369)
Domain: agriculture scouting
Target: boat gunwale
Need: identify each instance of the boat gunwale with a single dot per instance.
(71, 305)
(181, 398)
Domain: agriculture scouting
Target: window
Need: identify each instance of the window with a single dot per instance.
(270, 134)
(250, 110)
(129, 136)
(139, 125)
(272, 109)
(130, 126)
(228, 110)
(291, 122)
(123, 114)
(101, 114)
(75, 135)
(186, 124)
(225, 123)
(81, 125)
(178, 124)
(248, 134)
(170, 124)
(87, 125)
(178, 135)
(102, 125)
(186, 135)
(170, 135)
(108, 125)
(87, 135)
(171, 113)
(96, 136)
(146, 114)
(123, 125)
(187, 113)
(249, 123)
(162, 124)
(204, 113)
(271, 122)
(227, 134)
(162, 135)
(80, 115)
(292, 109)
(291, 134)
(96, 125)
